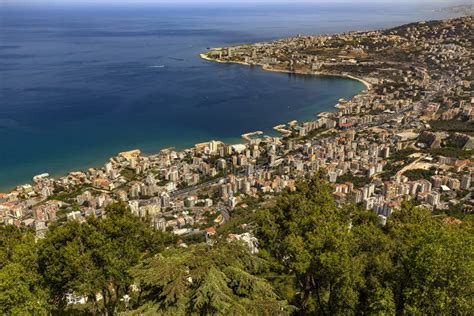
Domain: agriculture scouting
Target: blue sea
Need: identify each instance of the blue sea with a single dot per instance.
(80, 83)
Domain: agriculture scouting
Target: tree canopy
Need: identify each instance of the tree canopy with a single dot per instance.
(315, 257)
(219, 280)
(21, 290)
(343, 262)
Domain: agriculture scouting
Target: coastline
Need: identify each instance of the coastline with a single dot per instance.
(314, 73)
(401, 97)
(100, 161)
(364, 81)
(205, 57)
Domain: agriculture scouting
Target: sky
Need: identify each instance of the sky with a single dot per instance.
(131, 2)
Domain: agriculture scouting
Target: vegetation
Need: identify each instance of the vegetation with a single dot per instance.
(314, 258)
(203, 280)
(357, 180)
(451, 152)
(128, 174)
(314, 133)
(459, 211)
(340, 261)
(80, 258)
(21, 290)
(403, 154)
(454, 125)
(68, 195)
(396, 162)
(418, 174)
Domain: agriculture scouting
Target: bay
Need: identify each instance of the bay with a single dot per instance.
(80, 83)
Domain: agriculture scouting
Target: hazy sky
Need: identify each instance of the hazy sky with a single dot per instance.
(130, 2)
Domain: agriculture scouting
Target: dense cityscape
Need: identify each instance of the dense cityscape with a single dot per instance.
(408, 137)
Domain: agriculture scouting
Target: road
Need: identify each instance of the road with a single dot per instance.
(410, 166)
(194, 188)
(400, 112)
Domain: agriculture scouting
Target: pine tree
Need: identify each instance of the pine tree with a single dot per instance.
(218, 280)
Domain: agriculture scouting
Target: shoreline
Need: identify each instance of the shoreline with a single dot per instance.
(242, 137)
(361, 134)
(364, 81)
(99, 162)
(316, 73)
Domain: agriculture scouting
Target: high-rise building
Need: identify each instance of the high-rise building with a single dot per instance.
(433, 198)
(332, 177)
(466, 182)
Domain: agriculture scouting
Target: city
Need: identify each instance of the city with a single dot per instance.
(396, 140)
(363, 210)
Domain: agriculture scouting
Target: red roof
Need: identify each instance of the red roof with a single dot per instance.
(211, 230)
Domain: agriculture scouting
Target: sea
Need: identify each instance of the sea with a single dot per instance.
(80, 83)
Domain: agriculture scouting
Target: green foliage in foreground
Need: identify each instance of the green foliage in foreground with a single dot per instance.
(203, 280)
(80, 258)
(21, 291)
(344, 263)
(314, 259)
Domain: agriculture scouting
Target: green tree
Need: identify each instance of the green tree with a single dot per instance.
(10, 237)
(217, 280)
(20, 283)
(374, 249)
(95, 257)
(312, 239)
(322, 258)
(65, 262)
(434, 264)
(343, 262)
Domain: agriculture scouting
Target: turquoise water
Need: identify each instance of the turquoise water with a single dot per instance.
(79, 84)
